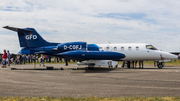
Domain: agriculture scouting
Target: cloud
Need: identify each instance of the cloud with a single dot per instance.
(118, 21)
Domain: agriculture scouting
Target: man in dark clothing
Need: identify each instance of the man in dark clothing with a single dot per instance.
(66, 60)
(9, 57)
(24, 58)
(20, 59)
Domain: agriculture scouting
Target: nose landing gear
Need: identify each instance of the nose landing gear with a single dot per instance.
(160, 65)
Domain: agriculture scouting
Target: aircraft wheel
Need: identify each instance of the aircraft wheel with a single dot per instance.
(90, 68)
(160, 65)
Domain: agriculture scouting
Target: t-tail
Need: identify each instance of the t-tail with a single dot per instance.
(29, 38)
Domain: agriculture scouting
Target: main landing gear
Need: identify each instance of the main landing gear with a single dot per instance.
(90, 67)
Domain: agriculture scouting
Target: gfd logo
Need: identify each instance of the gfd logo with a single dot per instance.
(31, 36)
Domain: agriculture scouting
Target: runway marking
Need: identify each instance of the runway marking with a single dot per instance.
(146, 79)
(145, 87)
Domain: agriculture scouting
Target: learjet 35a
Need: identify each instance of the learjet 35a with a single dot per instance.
(89, 54)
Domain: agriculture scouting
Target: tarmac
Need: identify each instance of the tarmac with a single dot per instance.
(25, 81)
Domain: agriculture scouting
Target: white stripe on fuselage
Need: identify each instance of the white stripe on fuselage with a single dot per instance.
(136, 51)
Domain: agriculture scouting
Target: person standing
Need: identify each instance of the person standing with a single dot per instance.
(42, 60)
(31, 58)
(123, 64)
(24, 59)
(154, 63)
(57, 59)
(17, 59)
(140, 64)
(37, 58)
(9, 57)
(34, 58)
(46, 58)
(60, 59)
(4, 59)
(66, 61)
(136, 63)
(20, 59)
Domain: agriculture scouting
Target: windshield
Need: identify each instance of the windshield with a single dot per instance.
(151, 47)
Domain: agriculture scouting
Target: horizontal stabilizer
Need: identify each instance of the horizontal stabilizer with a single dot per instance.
(16, 29)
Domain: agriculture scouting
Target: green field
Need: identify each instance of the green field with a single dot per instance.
(90, 99)
(172, 62)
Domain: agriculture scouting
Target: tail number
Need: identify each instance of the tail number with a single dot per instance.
(74, 47)
(29, 37)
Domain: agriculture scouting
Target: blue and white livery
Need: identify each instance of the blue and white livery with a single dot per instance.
(89, 54)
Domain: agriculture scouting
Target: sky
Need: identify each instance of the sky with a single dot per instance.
(154, 22)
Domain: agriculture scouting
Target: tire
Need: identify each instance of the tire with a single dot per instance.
(90, 68)
(160, 66)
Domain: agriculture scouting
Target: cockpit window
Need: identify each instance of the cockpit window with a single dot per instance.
(151, 47)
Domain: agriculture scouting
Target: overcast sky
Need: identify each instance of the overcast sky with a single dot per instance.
(156, 22)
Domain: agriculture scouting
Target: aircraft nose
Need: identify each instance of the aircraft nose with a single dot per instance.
(171, 56)
(175, 57)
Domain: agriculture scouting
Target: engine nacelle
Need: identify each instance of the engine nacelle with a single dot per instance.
(71, 46)
(98, 63)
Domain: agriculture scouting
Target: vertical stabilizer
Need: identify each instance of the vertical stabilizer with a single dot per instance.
(29, 38)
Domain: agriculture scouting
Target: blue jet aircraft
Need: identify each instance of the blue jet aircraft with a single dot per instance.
(90, 54)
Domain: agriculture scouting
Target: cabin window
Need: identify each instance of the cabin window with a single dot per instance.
(129, 48)
(107, 48)
(137, 48)
(122, 48)
(100, 48)
(151, 47)
(115, 48)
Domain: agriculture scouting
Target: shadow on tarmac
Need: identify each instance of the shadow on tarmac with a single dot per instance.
(34, 69)
(94, 70)
(86, 69)
(98, 70)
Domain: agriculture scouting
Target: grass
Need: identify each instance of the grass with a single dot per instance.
(90, 99)
(172, 62)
